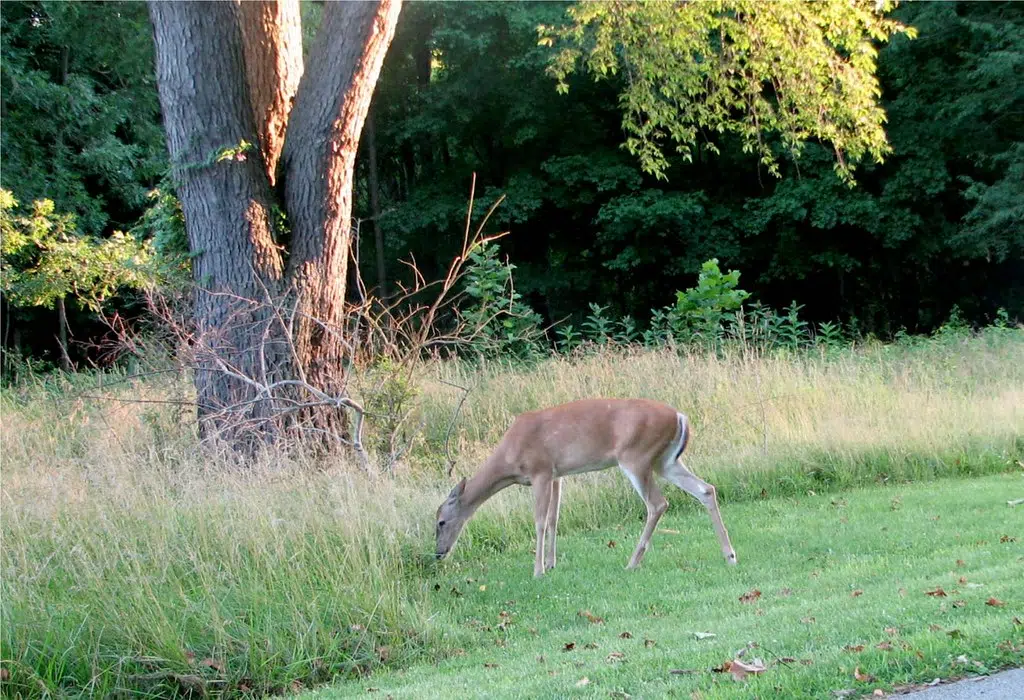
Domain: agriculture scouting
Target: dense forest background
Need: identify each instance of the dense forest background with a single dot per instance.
(938, 226)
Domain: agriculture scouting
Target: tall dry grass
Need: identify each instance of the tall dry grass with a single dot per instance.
(131, 560)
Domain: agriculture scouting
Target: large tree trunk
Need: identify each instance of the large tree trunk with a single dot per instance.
(318, 167)
(227, 73)
(226, 201)
(272, 40)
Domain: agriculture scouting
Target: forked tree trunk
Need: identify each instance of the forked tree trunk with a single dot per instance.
(272, 41)
(226, 202)
(227, 74)
(318, 164)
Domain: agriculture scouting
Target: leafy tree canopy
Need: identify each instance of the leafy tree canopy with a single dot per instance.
(795, 70)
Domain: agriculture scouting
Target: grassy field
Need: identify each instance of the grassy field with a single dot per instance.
(134, 562)
(843, 587)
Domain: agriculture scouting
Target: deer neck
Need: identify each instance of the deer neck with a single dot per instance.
(492, 478)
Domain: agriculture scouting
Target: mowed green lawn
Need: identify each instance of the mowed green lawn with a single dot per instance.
(844, 584)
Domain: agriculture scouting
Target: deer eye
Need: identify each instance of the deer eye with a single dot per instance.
(440, 523)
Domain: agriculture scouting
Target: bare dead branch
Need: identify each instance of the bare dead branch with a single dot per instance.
(451, 425)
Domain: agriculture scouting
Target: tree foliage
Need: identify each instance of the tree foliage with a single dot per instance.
(44, 258)
(797, 71)
(935, 225)
(81, 120)
(466, 88)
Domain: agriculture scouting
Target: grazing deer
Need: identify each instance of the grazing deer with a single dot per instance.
(642, 437)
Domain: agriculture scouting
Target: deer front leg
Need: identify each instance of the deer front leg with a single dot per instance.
(541, 503)
(552, 522)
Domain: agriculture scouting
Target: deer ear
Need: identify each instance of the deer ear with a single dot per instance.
(459, 488)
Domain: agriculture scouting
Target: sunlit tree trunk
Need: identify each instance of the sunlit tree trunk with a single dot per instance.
(228, 73)
(319, 170)
(226, 201)
(272, 41)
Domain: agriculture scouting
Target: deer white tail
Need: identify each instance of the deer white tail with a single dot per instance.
(684, 435)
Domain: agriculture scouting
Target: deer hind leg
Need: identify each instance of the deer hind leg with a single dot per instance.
(643, 482)
(554, 503)
(707, 495)
(541, 504)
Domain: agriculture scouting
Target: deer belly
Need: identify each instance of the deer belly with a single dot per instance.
(569, 468)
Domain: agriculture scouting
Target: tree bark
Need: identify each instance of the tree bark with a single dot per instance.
(272, 41)
(318, 165)
(378, 233)
(62, 335)
(226, 202)
(227, 73)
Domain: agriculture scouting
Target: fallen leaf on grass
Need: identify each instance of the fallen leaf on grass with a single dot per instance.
(862, 677)
(959, 603)
(372, 690)
(384, 653)
(879, 693)
(591, 617)
(960, 562)
(884, 646)
(855, 648)
(892, 631)
(750, 596)
(590, 645)
(807, 620)
(903, 593)
(582, 682)
(5, 675)
(994, 602)
(615, 656)
(626, 635)
(1017, 621)
(1006, 538)
(934, 628)
(612, 544)
(214, 664)
(936, 592)
(541, 659)
(489, 665)
(569, 646)
(649, 643)
(955, 634)
(786, 592)
(704, 635)
(741, 670)
(857, 593)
